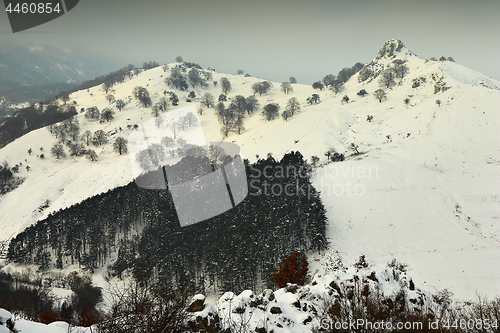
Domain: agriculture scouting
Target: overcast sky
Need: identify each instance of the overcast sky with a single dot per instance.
(274, 39)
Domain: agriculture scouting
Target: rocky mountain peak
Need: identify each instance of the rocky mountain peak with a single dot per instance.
(390, 48)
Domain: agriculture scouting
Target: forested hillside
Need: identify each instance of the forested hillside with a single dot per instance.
(233, 251)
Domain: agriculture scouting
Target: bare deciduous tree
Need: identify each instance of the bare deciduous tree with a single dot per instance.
(380, 95)
(120, 145)
(400, 70)
(106, 86)
(87, 137)
(137, 309)
(207, 100)
(286, 114)
(387, 78)
(261, 87)
(318, 85)
(252, 104)
(225, 130)
(92, 155)
(337, 87)
(99, 138)
(142, 94)
(120, 104)
(225, 85)
(329, 80)
(57, 151)
(108, 114)
(271, 111)
(92, 113)
(293, 105)
(110, 98)
(286, 87)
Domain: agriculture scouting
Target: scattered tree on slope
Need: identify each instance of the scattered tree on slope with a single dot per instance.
(380, 95)
(120, 145)
(58, 151)
(142, 94)
(225, 85)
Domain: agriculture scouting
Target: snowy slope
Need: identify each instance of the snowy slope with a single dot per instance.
(465, 75)
(429, 174)
(432, 196)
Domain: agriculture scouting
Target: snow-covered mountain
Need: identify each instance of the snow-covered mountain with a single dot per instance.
(423, 190)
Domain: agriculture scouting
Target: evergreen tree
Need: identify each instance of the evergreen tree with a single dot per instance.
(233, 249)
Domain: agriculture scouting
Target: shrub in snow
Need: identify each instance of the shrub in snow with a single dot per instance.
(362, 93)
(292, 270)
(318, 85)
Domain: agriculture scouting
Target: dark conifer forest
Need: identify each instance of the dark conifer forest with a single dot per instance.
(232, 251)
(31, 118)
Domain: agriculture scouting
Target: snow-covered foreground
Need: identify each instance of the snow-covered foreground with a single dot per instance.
(300, 309)
(292, 309)
(425, 189)
(26, 326)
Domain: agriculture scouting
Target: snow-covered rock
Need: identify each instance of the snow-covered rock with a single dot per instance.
(300, 308)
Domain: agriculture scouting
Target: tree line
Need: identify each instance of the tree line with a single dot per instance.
(31, 118)
(335, 83)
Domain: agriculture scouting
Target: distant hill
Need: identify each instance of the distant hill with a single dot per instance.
(33, 74)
